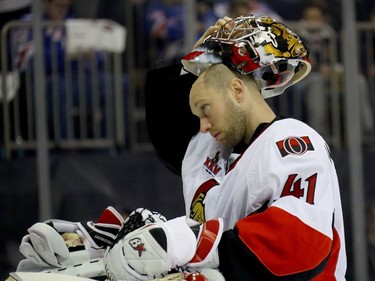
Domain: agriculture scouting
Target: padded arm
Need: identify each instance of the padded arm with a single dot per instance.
(169, 120)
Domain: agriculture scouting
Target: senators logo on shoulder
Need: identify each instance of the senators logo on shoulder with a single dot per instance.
(294, 145)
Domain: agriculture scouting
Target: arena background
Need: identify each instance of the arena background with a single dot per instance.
(76, 180)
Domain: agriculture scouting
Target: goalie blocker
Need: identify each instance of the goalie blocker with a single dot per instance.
(155, 249)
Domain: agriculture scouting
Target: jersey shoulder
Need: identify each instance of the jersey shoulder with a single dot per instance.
(289, 139)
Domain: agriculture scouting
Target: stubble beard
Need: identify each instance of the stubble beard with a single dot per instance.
(235, 125)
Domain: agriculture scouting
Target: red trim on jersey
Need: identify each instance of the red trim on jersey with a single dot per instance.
(204, 188)
(282, 242)
(328, 273)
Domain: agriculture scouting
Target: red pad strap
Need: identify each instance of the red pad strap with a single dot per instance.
(110, 216)
(208, 240)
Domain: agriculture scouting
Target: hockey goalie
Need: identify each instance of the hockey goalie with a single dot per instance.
(262, 197)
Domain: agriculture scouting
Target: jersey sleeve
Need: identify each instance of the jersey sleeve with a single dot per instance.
(277, 245)
(169, 120)
(294, 238)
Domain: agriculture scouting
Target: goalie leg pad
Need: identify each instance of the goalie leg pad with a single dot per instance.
(44, 246)
(66, 247)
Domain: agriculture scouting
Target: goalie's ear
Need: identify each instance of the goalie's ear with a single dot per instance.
(169, 120)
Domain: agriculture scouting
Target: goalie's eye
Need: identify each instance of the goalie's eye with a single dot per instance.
(206, 109)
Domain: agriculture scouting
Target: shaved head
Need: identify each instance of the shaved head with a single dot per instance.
(219, 76)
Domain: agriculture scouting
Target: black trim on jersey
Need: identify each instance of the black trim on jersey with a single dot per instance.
(169, 120)
(262, 208)
(241, 147)
(238, 263)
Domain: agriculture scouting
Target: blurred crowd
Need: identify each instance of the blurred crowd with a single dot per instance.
(163, 20)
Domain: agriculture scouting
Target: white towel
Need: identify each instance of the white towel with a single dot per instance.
(92, 35)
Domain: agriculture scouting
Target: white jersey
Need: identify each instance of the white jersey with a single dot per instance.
(288, 169)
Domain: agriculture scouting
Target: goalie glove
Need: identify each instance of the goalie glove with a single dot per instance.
(74, 248)
(155, 249)
(139, 218)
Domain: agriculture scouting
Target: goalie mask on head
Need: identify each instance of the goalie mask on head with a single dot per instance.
(258, 45)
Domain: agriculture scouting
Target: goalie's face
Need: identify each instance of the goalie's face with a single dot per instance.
(219, 112)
